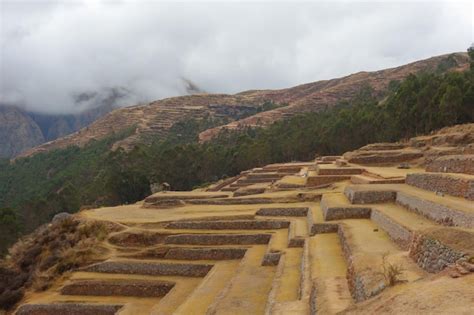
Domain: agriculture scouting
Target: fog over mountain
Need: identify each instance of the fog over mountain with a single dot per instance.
(65, 56)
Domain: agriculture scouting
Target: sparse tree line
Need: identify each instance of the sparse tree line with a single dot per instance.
(32, 190)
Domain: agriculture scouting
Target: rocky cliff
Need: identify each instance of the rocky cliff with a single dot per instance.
(21, 130)
(18, 132)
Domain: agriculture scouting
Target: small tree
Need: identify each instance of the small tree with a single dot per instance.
(470, 52)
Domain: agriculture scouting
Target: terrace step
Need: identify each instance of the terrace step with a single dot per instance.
(297, 233)
(291, 307)
(169, 304)
(366, 179)
(330, 158)
(284, 168)
(399, 223)
(185, 253)
(277, 245)
(358, 194)
(257, 180)
(318, 180)
(335, 206)
(271, 176)
(229, 188)
(222, 184)
(453, 164)
(68, 309)
(446, 210)
(291, 181)
(286, 283)
(233, 201)
(382, 156)
(131, 304)
(289, 212)
(341, 162)
(218, 239)
(331, 170)
(248, 290)
(330, 291)
(183, 287)
(140, 288)
(364, 248)
(239, 185)
(246, 191)
(150, 268)
(230, 225)
(437, 248)
(316, 223)
(211, 286)
(458, 185)
(175, 195)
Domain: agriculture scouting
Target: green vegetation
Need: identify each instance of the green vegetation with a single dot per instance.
(64, 180)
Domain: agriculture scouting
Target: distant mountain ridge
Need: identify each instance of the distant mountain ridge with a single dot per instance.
(153, 120)
(21, 130)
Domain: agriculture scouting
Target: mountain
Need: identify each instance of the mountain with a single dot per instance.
(18, 131)
(247, 108)
(57, 126)
(21, 130)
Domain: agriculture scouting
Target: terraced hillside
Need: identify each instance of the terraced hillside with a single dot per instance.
(245, 109)
(374, 231)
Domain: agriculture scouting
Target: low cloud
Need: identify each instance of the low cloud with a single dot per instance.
(65, 56)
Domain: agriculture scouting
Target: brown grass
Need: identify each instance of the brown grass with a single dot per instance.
(38, 259)
(391, 272)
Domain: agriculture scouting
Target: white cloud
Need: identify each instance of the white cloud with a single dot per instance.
(51, 51)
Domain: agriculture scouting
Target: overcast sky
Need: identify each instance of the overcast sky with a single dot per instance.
(63, 56)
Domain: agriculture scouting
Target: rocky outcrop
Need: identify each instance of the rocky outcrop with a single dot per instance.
(21, 130)
(18, 132)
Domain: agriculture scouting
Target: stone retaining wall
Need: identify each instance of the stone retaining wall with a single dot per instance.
(340, 171)
(183, 253)
(341, 213)
(435, 211)
(224, 183)
(400, 234)
(150, 269)
(330, 158)
(357, 196)
(271, 176)
(230, 225)
(271, 258)
(368, 157)
(365, 283)
(437, 182)
(320, 228)
(218, 239)
(121, 288)
(68, 309)
(291, 212)
(431, 255)
(233, 201)
(293, 240)
(139, 239)
(366, 179)
(319, 180)
(248, 191)
(453, 164)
